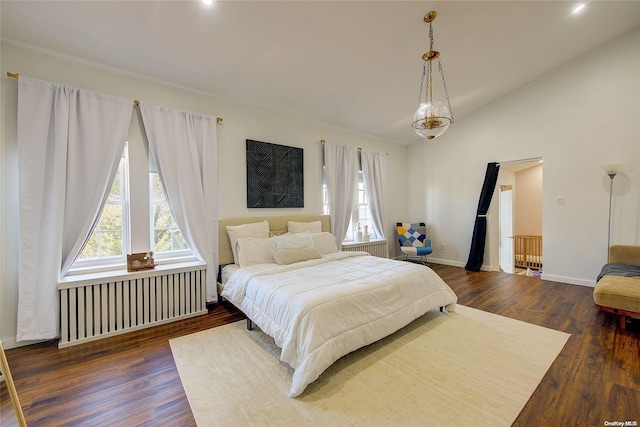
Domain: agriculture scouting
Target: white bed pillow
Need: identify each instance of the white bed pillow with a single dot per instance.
(290, 256)
(293, 241)
(301, 227)
(324, 242)
(255, 250)
(254, 229)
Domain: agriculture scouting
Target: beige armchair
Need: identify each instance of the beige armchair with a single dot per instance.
(618, 287)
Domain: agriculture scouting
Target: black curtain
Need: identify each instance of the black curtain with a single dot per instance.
(476, 253)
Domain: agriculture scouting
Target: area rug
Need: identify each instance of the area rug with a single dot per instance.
(469, 368)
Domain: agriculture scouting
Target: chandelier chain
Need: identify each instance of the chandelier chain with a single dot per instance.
(430, 37)
(424, 67)
(427, 63)
(446, 91)
(429, 90)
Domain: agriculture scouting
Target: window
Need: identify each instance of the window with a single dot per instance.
(361, 213)
(109, 238)
(166, 236)
(325, 195)
(136, 216)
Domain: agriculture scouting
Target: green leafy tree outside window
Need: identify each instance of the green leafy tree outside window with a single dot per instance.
(166, 234)
(107, 237)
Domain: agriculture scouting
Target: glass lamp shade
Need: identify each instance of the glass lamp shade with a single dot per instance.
(431, 119)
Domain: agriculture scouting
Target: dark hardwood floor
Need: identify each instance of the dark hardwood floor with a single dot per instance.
(131, 380)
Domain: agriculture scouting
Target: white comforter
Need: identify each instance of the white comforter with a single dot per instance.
(320, 310)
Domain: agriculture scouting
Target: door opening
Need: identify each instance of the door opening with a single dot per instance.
(520, 217)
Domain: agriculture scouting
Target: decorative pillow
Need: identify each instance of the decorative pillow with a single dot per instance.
(255, 229)
(301, 227)
(255, 250)
(292, 241)
(290, 256)
(324, 242)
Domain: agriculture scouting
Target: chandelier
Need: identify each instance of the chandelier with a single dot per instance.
(432, 118)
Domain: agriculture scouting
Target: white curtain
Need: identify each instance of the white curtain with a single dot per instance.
(183, 146)
(341, 174)
(69, 145)
(374, 169)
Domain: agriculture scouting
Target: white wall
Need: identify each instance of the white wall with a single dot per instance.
(240, 123)
(578, 118)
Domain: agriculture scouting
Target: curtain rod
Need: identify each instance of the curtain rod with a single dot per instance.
(322, 141)
(135, 101)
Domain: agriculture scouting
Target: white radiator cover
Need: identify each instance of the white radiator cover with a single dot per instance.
(374, 247)
(99, 306)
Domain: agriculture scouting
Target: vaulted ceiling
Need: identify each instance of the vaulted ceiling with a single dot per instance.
(351, 64)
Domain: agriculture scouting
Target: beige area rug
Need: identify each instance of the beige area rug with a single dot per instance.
(469, 368)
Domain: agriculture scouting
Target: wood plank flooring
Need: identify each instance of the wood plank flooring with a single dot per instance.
(131, 380)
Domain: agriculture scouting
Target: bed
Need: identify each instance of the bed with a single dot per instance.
(319, 303)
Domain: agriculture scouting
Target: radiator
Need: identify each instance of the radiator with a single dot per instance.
(92, 308)
(375, 248)
(527, 251)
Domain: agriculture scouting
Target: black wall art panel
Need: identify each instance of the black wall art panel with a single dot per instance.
(274, 176)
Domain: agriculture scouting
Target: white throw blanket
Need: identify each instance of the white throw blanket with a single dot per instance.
(319, 310)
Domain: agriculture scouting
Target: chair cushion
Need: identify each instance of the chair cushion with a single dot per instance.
(618, 292)
(412, 250)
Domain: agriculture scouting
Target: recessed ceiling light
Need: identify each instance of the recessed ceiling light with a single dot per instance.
(207, 2)
(579, 8)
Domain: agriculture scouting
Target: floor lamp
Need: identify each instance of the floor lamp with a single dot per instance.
(612, 174)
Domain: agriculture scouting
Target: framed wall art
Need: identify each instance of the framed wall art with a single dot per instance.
(275, 175)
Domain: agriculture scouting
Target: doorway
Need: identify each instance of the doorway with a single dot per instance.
(520, 216)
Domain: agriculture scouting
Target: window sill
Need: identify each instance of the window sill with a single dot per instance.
(97, 277)
(119, 265)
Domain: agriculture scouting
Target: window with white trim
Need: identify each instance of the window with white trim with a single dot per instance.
(167, 239)
(109, 238)
(136, 217)
(361, 213)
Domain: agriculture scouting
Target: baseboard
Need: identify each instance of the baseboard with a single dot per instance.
(569, 280)
(447, 262)
(10, 343)
(550, 277)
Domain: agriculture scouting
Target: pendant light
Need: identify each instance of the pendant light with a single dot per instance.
(432, 118)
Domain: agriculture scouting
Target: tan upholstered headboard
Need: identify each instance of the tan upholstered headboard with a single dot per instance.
(277, 225)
